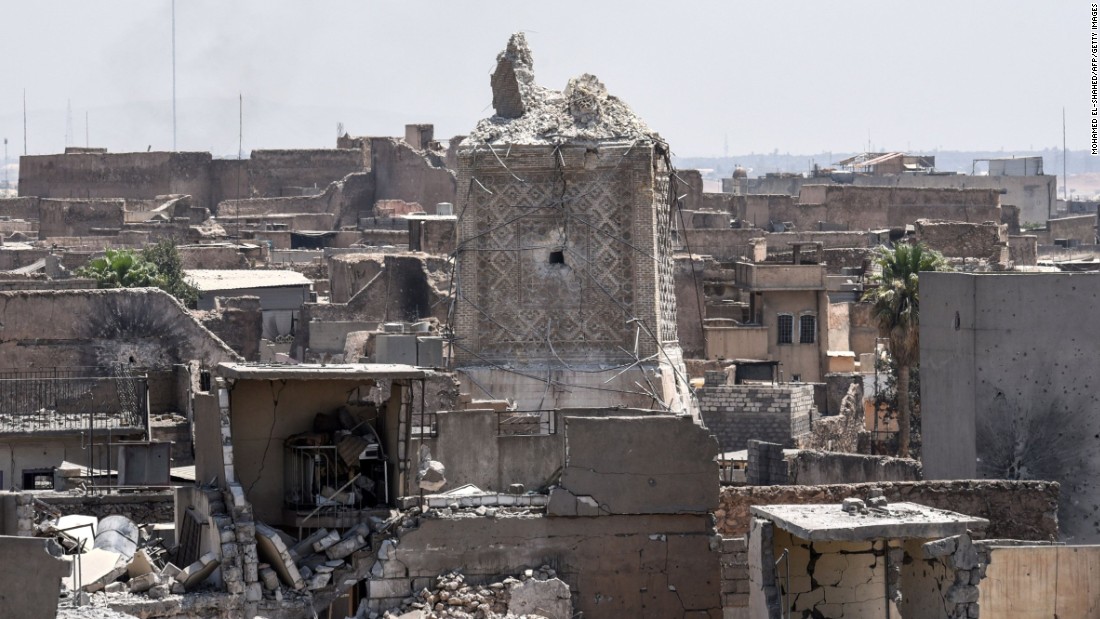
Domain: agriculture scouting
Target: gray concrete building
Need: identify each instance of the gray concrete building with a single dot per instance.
(1008, 367)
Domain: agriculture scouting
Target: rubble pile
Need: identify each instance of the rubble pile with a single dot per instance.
(530, 114)
(535, 594)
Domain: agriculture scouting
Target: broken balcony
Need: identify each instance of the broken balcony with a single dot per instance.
(65, 401)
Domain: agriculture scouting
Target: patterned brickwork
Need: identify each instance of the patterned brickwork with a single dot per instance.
(604, 211)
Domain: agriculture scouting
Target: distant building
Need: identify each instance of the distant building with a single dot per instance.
(281, 293)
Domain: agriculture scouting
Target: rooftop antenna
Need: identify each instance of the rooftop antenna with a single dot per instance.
(69, 122)
(173, 75)
(87, 142)
(240, 155)
(1065, 178)
(7, 182)
(24, 121)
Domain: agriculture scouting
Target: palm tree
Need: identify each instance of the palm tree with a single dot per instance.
(121, 268)
(897, 310)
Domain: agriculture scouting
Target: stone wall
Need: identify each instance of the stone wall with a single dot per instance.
(1033, 195)
(872, 208)
(955, 239)
(1023, 250)
(80, 217)
(402, 172)
(733, 560)
(116, 175)
(812, 468)
(721, 243)
(1015, 509)
(20, 208)
(775, 413)
(293, 172)
(143, 326)
(839, 432)
(238, 321)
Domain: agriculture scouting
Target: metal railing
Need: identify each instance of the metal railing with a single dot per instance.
(72, 399)
(424, 425)
(527, 423)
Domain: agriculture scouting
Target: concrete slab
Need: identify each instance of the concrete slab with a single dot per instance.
(545, 598)
(98, 567)
(30, 584)
(898, 520)
(193, 575)
(272, 550)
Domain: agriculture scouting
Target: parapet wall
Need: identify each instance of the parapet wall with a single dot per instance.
(1015, 509)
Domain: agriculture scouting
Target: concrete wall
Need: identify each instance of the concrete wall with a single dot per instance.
(498, 461)
(1081, 229)
(1041, 581)
(1015, 509)
(1006, 369)
(646, 566)
(814, 468)
(30, 586)
(773, 413)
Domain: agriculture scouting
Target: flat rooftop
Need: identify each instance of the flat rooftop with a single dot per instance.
(316, 371)
(829, 522)
(208, 280)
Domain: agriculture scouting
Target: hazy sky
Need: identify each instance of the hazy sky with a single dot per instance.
(800, 77)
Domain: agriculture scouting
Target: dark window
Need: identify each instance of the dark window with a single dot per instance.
(38, 479)
(786, 329)
(557, 257)
(807, 329)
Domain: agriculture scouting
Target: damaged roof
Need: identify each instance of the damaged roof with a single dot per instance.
(829, 522)
(316, 371)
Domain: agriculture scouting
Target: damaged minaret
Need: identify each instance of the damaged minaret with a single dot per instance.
(564, 291)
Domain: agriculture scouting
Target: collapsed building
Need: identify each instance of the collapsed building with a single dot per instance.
(569, 461)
